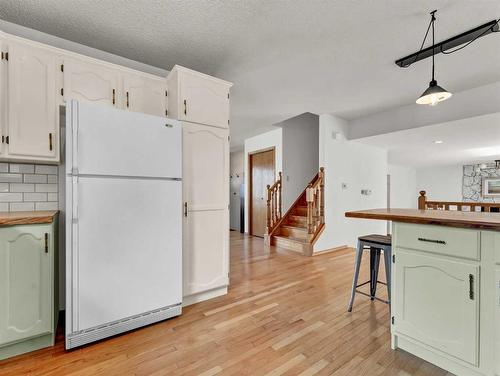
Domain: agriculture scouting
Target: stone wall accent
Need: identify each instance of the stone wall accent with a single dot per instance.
(472, 182)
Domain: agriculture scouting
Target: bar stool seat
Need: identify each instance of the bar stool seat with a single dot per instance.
(376, 244)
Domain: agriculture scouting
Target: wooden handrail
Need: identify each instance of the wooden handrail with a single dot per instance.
(424, 204)
(315, 198)
(274, 204)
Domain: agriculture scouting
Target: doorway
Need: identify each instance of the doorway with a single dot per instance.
(262, 173)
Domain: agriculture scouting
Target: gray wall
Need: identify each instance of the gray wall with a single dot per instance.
(235, 181)
(300, 154)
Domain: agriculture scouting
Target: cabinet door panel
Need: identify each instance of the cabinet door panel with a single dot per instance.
(90, 82)
(145, 95)
(32, 111)
(497, 321)
(3, 97)
(25, 283)
(206, 191)
(434, 305)
(207, 101)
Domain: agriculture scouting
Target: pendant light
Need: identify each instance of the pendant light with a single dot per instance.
(434, 93)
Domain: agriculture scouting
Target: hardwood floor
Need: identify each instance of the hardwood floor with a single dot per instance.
(285, 314)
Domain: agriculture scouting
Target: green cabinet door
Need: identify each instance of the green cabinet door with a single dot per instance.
(26, 282)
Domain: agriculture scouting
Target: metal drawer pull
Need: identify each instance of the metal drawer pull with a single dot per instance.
(432, 241)
(471, 287)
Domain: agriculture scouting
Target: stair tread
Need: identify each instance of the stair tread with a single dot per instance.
(298, 240)
(289, 225)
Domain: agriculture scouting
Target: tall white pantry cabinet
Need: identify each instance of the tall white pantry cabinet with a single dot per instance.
(35, 79)
(201, 102)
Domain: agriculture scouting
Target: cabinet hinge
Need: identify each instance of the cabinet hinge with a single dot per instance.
(50, 142)
(128, 102)
(7, 139)
(392, 320)
(62, 67)
(2, 55)
(393, 259)
(166, 93)
(3, 139)
(227, 95)
(114, 95)
(62, 91)
(46, 242)
(229, 138)
(166, 112)
(227, 121)
(6, 56)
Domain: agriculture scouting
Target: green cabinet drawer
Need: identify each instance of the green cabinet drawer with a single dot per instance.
(449, 241)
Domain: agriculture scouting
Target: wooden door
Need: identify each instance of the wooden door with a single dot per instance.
(26, 278)
(146, 95)
(32, 110)
(262, 173)
(90, 82)
(206, 211)
(203, 100)
(437, 303)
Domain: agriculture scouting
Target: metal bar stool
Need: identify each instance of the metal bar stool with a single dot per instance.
(376, 244)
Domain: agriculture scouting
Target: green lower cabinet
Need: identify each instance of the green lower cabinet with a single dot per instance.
(28, 311)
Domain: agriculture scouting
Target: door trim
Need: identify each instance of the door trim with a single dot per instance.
(250, 182)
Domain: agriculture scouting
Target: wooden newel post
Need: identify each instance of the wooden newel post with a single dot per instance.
(309, 199)
(322, 195)
(268, 215)
(421, 201)
(279, 195)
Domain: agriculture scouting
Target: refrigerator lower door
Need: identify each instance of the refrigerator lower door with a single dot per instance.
(124, 251)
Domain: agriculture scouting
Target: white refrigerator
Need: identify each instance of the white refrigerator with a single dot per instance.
(123, 221)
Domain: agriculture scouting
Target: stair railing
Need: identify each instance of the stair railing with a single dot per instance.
(466, 206)
(273, 204)
(315, 198)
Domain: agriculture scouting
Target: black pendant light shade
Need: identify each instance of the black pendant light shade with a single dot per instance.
(433, 95)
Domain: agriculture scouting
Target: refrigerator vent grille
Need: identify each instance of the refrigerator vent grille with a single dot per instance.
(120, 326)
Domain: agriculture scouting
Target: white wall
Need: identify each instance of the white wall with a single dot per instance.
(403, 191)
(262, 141)
(360, 167)
(236, 180)
(300, 155)
(442, 183)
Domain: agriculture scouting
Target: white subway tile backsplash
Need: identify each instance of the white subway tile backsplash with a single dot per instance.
(51, 197)
(35, 197)
(22, 206)
(46, 206)
(44, 169)
(46, 188)
(28, 187)
(22, 168)
(11, 197)
(20, 187)
(11, 178)
(28, 178)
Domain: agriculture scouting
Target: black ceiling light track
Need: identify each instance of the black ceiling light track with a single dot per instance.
(448, 44)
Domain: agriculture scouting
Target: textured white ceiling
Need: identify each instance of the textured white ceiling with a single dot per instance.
(285, 57)
(464, 141)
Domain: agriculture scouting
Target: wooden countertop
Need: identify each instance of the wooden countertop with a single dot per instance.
(28, 217)
(490, 221)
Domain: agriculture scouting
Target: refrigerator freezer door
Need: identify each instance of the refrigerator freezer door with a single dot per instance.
(105, 141)
(125, 253)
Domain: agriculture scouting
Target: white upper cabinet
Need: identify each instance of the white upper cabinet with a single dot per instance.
(3, 94)
(91, 82)
(145, 94)
(31, 131)
(198, 98)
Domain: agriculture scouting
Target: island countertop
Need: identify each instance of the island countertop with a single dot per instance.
(481, 220)
(27, 217)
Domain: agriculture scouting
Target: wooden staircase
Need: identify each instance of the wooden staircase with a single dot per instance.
(302, 224)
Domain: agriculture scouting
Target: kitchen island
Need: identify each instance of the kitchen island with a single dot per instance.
(445, 287)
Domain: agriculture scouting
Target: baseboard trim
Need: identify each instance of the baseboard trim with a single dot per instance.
(330, 250)
(202, 296)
